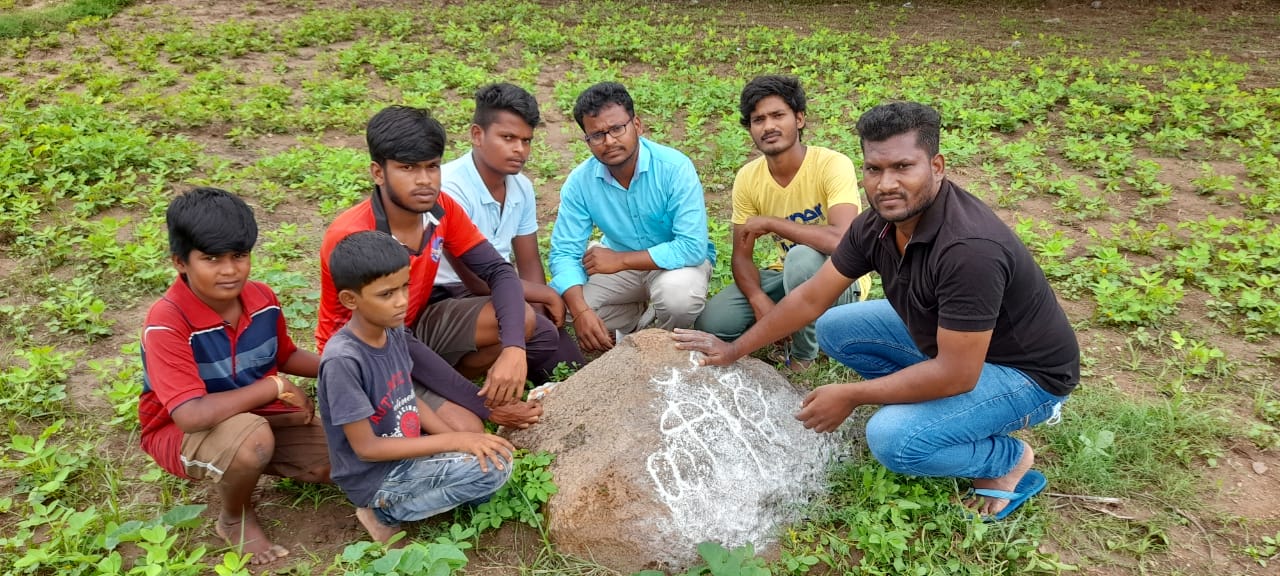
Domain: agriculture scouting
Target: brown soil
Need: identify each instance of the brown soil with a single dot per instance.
(1241, 501)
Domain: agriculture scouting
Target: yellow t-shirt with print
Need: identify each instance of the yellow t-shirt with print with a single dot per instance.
(826, 178)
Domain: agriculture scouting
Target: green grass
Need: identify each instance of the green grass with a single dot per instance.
(22, 22)
(1113, 445)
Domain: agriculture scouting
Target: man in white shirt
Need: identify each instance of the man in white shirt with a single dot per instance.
(487, 183)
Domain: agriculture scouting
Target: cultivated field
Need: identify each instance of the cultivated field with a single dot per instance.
(1135, 147)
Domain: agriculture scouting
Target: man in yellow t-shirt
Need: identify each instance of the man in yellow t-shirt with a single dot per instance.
(805, 196)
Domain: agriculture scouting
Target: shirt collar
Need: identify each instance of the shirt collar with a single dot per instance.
(933, 216)
(486, 197)
(430, 219)
(472, 179)
(200, 315)
(642, 163)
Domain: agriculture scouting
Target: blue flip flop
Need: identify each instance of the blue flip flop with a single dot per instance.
(1030, 485)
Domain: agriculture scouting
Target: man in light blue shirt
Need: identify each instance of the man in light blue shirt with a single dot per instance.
(486, 182)
(654, 261)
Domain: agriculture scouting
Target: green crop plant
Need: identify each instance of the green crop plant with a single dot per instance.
(120, 379)
(721, 233)
(522, 497)
(73, 308)
(46, 469)
(337, 177)
(1140, 300)
(1132, 237)
(1171, 141)
(321, 27)
(14, 325)
(298, 294)
(1145, 180)
(138, 266)
(29, 22)
(51, 245)
(1197, 359)
(429, 559)
(1265, 550)
(37, 389)
(1210, 182)
(721, 561)
(1050, 246)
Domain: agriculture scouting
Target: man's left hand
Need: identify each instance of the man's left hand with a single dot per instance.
(827, 407)
(519, 415)
(555, 311)
(601, 260)
(504, 382)
(546, 302)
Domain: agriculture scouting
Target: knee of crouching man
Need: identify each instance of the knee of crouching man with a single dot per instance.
(892, 446)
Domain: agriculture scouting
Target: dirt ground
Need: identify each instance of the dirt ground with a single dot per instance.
(1241, 495)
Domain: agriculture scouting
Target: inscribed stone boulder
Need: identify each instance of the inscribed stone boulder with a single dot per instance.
(655, 455)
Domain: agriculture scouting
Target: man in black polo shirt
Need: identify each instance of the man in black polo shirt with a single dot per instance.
(970, 344)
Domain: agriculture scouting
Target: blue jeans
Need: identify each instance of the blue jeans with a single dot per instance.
(419, 488)
(966, 435)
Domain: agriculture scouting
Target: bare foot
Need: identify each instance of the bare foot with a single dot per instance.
(985, 506)
(377, 530)
(245, 534)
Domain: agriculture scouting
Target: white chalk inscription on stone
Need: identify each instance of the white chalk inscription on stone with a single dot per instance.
(727, 463)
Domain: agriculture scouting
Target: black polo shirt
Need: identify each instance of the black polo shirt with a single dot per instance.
(965, 270)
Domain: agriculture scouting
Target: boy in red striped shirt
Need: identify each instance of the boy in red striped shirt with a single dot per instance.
(213, 403)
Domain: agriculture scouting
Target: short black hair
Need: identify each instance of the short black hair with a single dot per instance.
(761, 87)
(888, 120)
(363, 257)
(210, 220)
(404, 134)
(494, 98)
(594, 99)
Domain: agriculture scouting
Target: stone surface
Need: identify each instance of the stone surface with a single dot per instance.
(655, 455)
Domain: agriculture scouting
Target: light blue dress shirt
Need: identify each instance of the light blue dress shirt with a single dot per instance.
(500, 224)
(662, 212)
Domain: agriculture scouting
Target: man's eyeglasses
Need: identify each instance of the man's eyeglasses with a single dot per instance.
(617, 130)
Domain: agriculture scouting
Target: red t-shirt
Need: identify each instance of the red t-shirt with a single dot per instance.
(188, 351)
(453, 232)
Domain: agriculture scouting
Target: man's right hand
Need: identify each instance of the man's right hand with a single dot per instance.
(592, 334)
(715, 352)
(519, 415)
(601, 260)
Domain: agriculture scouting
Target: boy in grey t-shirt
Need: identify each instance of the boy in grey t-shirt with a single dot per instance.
(374, 424)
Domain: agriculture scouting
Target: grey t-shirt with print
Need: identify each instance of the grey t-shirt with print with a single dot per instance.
(357, 382)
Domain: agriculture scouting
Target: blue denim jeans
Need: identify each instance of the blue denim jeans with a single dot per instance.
(966, 435)
(419, 488)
